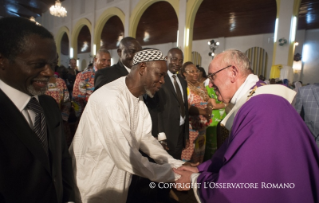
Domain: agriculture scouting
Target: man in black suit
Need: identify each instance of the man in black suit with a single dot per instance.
(126, 51)
(35, 165)
(169, 107)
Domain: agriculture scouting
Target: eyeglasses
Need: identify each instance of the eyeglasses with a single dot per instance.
(192, 72)
(212, 75)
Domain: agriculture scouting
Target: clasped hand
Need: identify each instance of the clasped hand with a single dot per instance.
(185, 171)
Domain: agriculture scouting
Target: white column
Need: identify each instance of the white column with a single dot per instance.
(181, 35)
(285, 18)
(93, 51)
(127, 18)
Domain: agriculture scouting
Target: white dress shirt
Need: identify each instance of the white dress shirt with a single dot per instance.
(20, 100)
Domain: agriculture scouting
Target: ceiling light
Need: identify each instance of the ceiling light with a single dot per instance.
(58, 10)
(33, 20)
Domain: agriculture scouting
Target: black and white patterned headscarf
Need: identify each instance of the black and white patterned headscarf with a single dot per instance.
(148, 55)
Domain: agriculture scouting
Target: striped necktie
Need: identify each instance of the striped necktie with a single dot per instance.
(39, 125)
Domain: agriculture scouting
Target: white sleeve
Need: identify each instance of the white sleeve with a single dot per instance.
(154, 149)
(117, 139)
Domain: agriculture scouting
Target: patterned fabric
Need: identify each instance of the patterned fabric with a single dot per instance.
(148, 55)
(60, 93)
(195, 147)
(82, 90)
(211, 131)
(39, 126)
(307, 105)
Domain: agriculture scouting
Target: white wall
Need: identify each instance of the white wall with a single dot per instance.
(64, 60)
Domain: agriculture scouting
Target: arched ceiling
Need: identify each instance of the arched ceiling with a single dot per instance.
(308, 17)
(158, 24)
(230, 18)
(112, 33)
(84, 40)
(65, 44)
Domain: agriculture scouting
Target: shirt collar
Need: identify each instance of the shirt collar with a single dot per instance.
(19, 98)
(128, 70)
(245, 87)
(170, 74)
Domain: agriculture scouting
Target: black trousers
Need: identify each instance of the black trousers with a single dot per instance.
(140, 190)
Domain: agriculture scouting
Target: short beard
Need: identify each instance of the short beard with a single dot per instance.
(34, 92)
(149, 93)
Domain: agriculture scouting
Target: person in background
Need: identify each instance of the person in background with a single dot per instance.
(199, 114)
(72, 72)
(58, 90)
(218, 114)
(126, 51)
(307, 105)
(84, 83)
(89, 67)
(202, 76)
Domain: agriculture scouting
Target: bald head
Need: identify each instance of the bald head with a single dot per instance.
(127, 49)
(175, 60)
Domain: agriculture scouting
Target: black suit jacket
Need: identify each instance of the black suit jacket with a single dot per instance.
(164, 110)
(27, 174)
(107, 75)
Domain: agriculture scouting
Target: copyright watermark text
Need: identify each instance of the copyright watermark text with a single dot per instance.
(212, 185)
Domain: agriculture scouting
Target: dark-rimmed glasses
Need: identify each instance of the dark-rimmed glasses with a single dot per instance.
(212, 75)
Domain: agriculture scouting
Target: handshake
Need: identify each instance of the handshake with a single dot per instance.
(185, 171)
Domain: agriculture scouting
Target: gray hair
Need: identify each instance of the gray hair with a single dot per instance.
(238, 59)
(103, 50)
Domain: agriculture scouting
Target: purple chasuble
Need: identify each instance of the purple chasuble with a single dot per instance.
(270, 156)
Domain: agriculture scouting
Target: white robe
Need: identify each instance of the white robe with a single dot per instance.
(105, 149)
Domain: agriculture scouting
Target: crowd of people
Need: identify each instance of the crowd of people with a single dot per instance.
(111, 133)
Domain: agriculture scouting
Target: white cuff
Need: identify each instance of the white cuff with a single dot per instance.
(194, 177)
(161, 136)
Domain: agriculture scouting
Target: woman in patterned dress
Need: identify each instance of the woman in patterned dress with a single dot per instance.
(199, 114)
(59, 91)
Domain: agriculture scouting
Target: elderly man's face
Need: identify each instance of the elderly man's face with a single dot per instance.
(219, 74)
(127, 51)
(102, 60)
(30, 70)
(154, 77)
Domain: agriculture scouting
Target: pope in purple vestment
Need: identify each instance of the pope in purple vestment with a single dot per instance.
(270, 150)
(270, 155)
